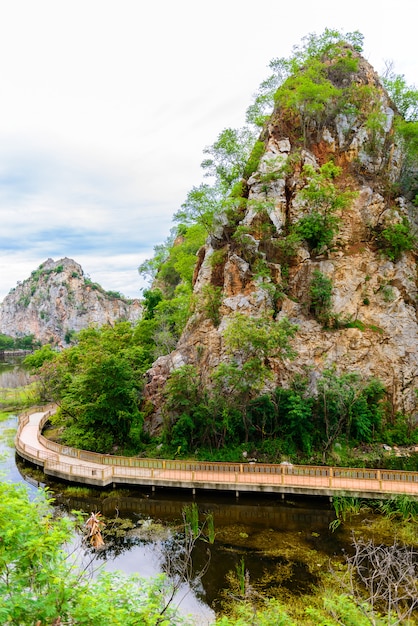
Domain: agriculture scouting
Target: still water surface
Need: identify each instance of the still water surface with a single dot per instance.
(281, 541)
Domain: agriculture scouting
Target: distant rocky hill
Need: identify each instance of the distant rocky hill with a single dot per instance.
(58, 300)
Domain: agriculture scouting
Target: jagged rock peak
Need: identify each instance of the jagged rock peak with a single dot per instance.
(57, 300)
(269, 258)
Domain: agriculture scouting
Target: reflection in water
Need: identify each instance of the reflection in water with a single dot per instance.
(277, 539)
(8, 469)
(12, 375)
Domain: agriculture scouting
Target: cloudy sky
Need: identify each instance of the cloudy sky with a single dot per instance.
(106, 106)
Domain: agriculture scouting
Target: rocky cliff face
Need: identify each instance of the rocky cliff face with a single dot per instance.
(374, 298)
(57, 299)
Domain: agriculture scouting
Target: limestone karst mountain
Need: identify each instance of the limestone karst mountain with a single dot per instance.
(58, 299)
(328, 200)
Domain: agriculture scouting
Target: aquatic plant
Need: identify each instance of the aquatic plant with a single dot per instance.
(191, 519)
(402, 506)
(345, 507)
(210, 524)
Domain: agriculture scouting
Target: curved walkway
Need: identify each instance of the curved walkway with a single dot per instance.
(81, 466)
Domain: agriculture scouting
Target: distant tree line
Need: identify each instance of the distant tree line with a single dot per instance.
(27, 342)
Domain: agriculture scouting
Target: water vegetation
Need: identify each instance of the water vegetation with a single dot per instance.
(4, 415)
(8, 436)
(18, 398)
(384, 519)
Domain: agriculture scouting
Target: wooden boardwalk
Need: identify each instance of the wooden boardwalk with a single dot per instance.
(6, 354)
(81, 466)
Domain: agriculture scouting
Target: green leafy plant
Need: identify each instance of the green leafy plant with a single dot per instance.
(295, 408)
(212, 300)
(320, 292)
(403, 507)
(114, 294)
(229, 155)
(241, 576)
(254, 159)
(388, 293)
(346, 507)
(396, 239)
(310, 94)
(259, 337)
(218, 257)
(203, 206)
(347, 405)
(97, 385)
(39, 357)
(375, 125)
(191, 518)
(322, 200)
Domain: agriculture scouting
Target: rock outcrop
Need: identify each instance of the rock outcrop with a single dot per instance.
(374, 298)
(57, 300)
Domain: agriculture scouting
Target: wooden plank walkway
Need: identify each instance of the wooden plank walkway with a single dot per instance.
(81, 466)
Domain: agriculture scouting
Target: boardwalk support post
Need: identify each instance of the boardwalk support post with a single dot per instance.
(379, 478)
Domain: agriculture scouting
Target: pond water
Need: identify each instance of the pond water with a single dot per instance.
(13, 375)
(284, 543)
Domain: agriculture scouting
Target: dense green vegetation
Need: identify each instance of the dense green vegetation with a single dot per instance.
(396, 239)
(217, 415)
(97, 385)
(287, 423)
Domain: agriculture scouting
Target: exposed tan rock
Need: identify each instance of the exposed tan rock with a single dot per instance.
(378, 296)
(57, 299)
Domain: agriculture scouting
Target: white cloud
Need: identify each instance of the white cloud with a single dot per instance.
(106, 107)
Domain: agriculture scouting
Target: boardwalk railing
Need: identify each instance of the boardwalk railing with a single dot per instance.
(30, 451)
(104, 469)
